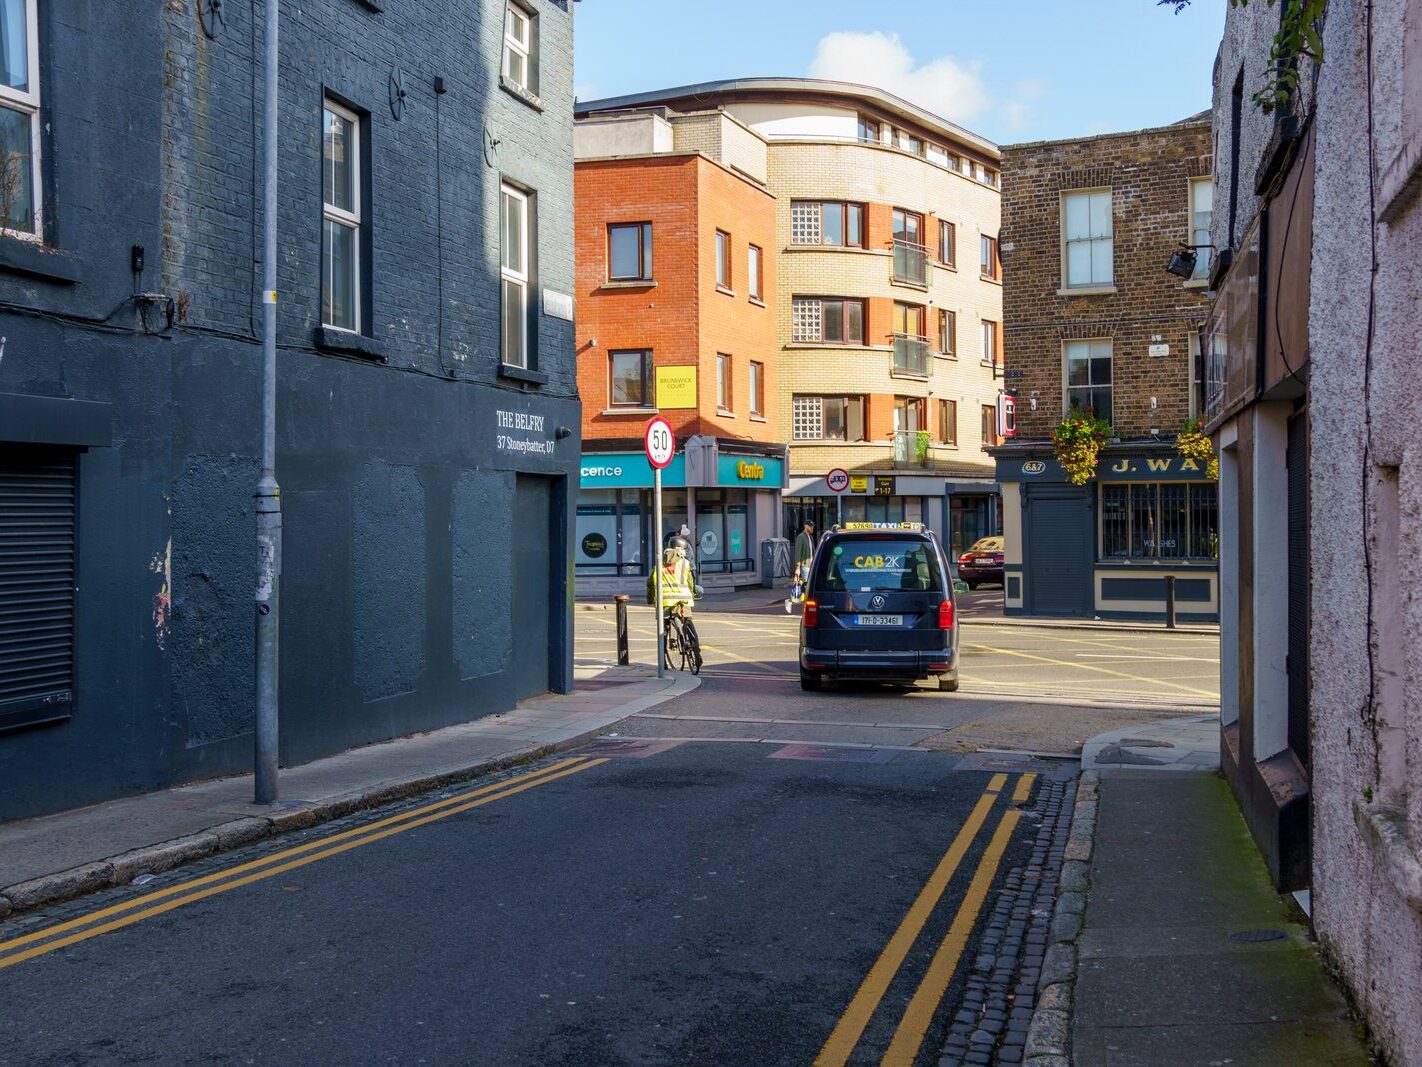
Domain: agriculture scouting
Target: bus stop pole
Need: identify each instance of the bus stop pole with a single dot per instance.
(657, 563)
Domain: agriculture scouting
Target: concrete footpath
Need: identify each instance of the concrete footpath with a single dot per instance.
(55, 857)
(1170, 944)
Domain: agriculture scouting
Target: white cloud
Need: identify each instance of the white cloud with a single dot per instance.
(946, 86)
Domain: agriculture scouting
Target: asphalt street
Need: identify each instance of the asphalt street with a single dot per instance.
(694, 903)
(1024, 688)
(748, 874)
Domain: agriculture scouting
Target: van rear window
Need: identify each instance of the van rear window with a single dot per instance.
(879, 565)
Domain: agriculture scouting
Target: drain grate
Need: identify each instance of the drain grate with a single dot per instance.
(1250, 937)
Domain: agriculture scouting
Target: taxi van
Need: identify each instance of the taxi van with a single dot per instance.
(880, 606)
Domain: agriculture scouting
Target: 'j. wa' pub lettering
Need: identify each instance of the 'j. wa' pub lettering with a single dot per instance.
(1116, 468)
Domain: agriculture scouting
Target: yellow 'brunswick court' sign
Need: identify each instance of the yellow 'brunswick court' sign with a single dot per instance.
(676, 387)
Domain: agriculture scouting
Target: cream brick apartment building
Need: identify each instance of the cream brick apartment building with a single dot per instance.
(889, 297)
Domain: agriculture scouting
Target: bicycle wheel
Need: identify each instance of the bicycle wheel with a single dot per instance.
(691, 640)
(676, 645)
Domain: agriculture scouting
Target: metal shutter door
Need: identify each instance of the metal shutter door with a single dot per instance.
(37, 490)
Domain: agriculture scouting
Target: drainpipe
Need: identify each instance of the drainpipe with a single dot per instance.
(268, 494)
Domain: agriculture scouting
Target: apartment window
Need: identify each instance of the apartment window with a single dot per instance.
(947, 422)
(870, 130)
(990, 425)
(1087, 238)
(631, 384)
(909, 143)
(629, 252)
(513, 269)
(1166, 520)
(908, 227)
(753, 271)
(948, 333)
(723, 260)
(827, 418)
(1088, 376)
(989, 264)
(1202, 201)
(723, 381)
(987, 177)
(19, 119)
(518, 48)
(992, 338)
(948, 244)
(910, 414)
(340, 239)
(827, 320)
(757, 388)
(908, 319)
(827, 222)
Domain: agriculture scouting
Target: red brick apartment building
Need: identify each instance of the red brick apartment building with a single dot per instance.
(675, 238)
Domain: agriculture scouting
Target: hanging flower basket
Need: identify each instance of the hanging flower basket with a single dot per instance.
(1079, 438)
(1192, 444)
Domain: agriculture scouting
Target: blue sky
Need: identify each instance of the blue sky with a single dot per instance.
(1011, 70)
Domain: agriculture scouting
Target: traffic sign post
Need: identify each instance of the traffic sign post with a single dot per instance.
(660, 444)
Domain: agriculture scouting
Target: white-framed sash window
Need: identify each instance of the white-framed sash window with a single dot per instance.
(513, 271)
(341, 221)
(20, 195)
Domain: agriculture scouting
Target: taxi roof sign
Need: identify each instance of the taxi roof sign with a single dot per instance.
(916, 526)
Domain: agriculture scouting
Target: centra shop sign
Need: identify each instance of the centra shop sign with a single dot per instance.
(751, 472)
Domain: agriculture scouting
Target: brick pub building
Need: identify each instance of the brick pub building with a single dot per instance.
(1093, 321)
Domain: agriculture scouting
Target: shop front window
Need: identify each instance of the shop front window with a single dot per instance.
(609, 532)
(1170, 520)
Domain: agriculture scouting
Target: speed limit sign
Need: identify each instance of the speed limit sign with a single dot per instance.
(660, 442)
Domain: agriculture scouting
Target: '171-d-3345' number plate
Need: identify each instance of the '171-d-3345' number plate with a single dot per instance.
(880, 620)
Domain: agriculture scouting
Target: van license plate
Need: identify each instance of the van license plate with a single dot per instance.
(880, 620)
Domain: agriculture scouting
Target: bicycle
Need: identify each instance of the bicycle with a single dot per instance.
(683, 643)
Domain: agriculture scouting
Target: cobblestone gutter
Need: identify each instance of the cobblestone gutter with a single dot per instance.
(1016, 1005)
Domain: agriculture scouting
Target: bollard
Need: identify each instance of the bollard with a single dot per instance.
(623, 659)
(1170, 601)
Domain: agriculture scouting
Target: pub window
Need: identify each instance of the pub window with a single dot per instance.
(1087, 240)
(1167, 520)
(1088, 377)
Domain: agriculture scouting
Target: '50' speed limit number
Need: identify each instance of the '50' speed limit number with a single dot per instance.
(660, 441)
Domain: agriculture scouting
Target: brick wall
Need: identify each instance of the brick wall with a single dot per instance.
(683, 318)
(1148, 174)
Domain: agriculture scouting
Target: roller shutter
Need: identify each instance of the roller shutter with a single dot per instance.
(37, 502)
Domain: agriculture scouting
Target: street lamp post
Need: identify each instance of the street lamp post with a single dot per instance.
(268, 494)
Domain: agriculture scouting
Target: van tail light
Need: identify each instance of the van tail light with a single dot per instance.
(945, 615)
(812, 614)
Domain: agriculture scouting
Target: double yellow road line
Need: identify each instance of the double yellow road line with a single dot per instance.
(117, 916)
(918, 1014)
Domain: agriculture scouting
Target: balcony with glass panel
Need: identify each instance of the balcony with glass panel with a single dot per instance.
(913, 448)
(910, 262)
(910, 355)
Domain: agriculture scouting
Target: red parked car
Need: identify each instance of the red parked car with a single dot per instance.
(982, 562)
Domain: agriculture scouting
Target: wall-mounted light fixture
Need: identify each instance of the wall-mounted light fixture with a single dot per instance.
(1182, 260)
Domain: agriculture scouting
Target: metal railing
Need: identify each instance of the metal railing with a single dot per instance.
(911, 354)
(911, 448)
(910, 262)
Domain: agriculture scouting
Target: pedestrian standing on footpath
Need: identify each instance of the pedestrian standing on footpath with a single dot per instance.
(804, 552)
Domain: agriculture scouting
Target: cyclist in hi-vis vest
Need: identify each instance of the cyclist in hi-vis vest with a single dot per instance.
(678, 582)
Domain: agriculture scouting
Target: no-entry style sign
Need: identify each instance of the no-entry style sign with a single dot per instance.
(660, 442)
(837, 480)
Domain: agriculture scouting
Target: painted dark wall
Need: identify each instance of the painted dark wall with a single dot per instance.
(398, 596)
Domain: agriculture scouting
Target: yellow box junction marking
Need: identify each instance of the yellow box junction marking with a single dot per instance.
(263, 868)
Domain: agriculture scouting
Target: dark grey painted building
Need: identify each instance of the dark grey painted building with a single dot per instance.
(425, 376)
